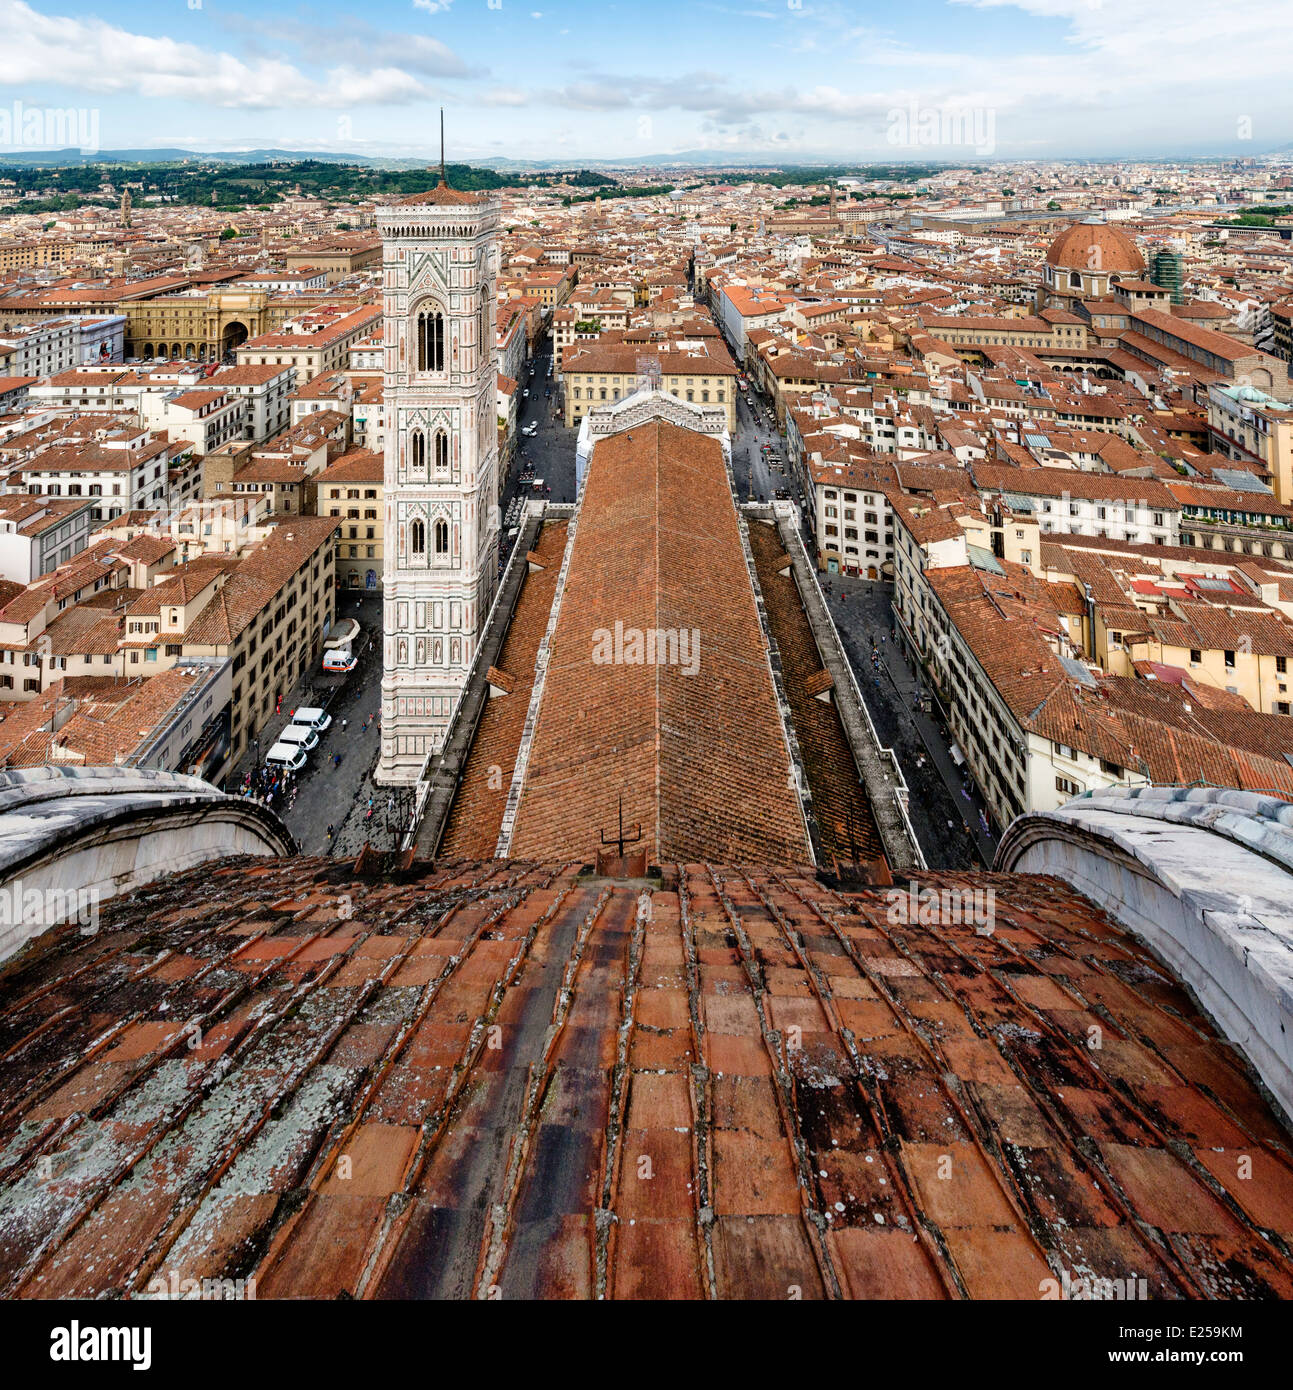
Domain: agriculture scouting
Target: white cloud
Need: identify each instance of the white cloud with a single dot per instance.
(105, 59)
(505, 96)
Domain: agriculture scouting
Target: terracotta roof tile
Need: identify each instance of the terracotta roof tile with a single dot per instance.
(340, 1019)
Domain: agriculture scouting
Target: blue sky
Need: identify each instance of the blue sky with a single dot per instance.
(571, 80)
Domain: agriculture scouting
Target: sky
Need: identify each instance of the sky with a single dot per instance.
(926, 79)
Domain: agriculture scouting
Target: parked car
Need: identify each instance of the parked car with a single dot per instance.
(317, 719)
(286, 755)
(339, 661)
(302, 735)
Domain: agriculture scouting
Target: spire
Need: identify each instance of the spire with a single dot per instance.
(444, 179)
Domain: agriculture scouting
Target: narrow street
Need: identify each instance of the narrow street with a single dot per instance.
(551, 452)
(756, 480)
(328, 795)
(945, 805)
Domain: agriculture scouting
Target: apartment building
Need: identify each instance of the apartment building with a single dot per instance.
(742, 308)
(122, 470)
(337, 257)
(269, 620)
(40, 349)
(852, 521)
(349, 491)
(329, 391)
(315, 343)
(571, 330)
(510, 339)
(176, 721)
(701, 372)
(1241, 648)
(551, 288)
(264, 392)
(37, 534)
(1088, 504)
(205, 416)
(1254, 430)
(22, 255)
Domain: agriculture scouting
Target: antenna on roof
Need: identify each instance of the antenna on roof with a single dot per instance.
(443, 177)
(620, 840)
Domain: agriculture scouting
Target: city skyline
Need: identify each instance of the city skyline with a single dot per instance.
(983, 79)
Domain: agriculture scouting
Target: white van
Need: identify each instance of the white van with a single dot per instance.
(301, 735)
(316, 719)
(286, 755)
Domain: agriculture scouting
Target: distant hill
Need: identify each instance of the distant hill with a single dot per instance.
(56, 158)
(682, 159)
(698, 159)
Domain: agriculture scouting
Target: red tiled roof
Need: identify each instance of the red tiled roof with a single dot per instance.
(700, 758)
(938, 1128)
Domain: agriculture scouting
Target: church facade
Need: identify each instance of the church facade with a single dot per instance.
(439, 268)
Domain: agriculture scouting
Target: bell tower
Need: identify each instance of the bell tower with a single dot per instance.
(439, 271)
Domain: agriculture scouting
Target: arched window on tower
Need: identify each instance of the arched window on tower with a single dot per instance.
(484, 324)
(442, 537)
(1075, 280)
(419, 537)
(430, 331)
(419, 451)
(441, 452)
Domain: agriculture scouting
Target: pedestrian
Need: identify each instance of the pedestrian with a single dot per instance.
(329, 830)
(344, 724)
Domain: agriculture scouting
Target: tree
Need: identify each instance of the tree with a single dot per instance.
(227, 234)
(1052, 206)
